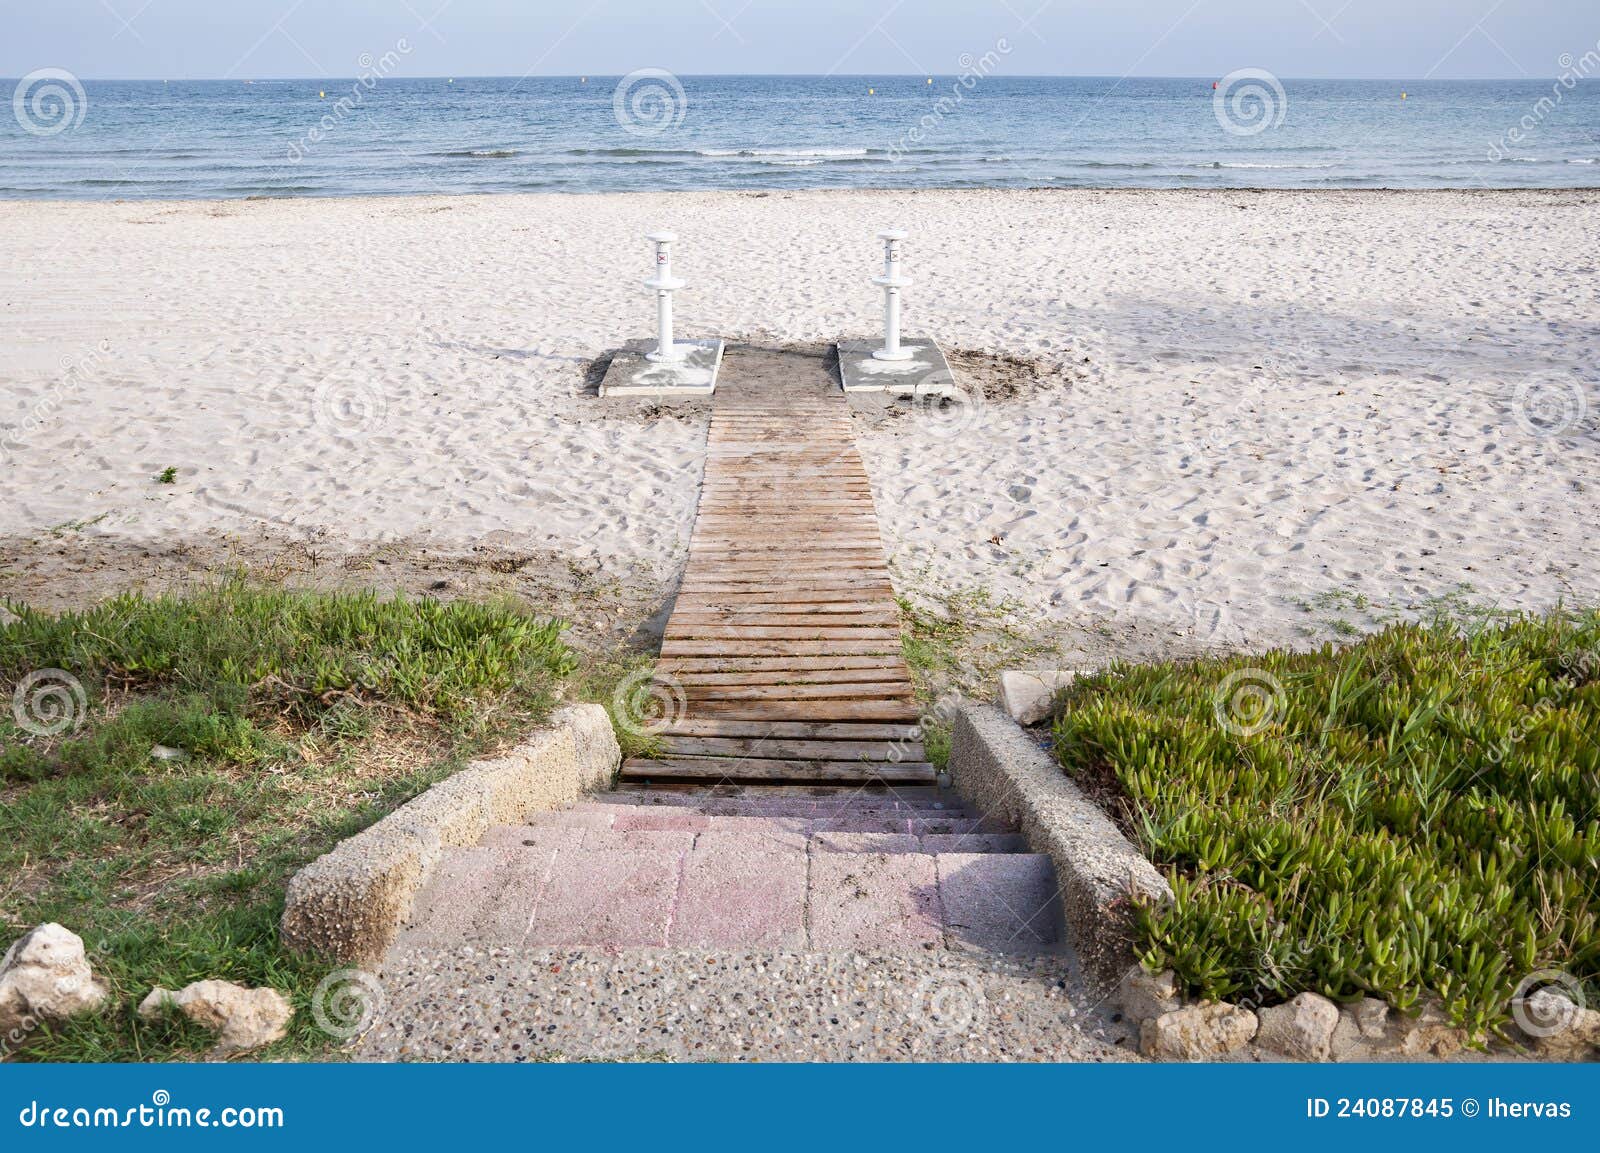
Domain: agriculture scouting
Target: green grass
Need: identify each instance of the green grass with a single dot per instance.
(956, 642)
(1412, 816)
(286, 720)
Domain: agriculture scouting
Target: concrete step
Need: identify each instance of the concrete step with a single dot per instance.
(664, 888)
(626, 818)
(512, 1004)
(740, 832)
(899, 797)
(772, 808)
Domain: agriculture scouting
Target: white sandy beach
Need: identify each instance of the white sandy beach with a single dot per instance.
(1242, 403)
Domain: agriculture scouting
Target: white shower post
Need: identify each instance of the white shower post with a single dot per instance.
(664, 285)
(891, 282)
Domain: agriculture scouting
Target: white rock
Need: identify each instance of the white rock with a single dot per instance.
(1372, 1018)
(1430, 1034)
(1027, 696)
(245, 1019)
(1563, 1030)
(1302, 1029)
(1197, 1032)
(45, 977)
(1144, 995)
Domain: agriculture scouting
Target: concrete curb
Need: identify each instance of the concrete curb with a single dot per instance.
(998, 770)
(349, 904)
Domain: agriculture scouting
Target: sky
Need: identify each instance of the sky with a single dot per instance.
(1392, 39)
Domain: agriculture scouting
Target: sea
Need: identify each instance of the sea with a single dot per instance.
(380, 134)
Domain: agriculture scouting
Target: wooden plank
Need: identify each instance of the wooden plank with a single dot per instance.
(750, 769)
(736, 609)
(710, 575)
(815, 711)
(789, 599)
(691, 630)
(796, 750)
(795, 730)
(847, 587)
(782, 616)
(716, 648)
(788, 677)
(891, 662)
(869, 690)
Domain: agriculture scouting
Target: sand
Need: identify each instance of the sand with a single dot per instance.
(1229, 418)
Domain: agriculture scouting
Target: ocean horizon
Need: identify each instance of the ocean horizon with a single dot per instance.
(380, 134)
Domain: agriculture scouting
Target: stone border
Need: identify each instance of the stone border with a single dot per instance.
(349, 904)
(999, 770)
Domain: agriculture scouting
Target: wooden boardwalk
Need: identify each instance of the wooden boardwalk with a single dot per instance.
(784, 643)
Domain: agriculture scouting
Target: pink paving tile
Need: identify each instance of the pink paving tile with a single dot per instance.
(737, 898)
(877, 900)
(463, 883)
(935, 824)
(504, 921)
(643, 817)
(865, 843)
(638, 840)
(596, 818)
(861, 823)
(758, 836)
(481, 894)
(999, 902)
(974, 843)
(532, 837)
(607, 898)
